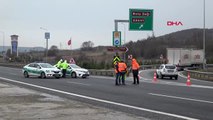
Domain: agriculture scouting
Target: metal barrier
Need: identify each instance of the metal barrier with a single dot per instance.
(193, 73)
(200, 75)
(112, 72)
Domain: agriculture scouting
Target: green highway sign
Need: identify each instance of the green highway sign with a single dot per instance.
(140, 19)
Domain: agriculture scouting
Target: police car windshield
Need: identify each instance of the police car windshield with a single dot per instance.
(74, 66)
(46, 65)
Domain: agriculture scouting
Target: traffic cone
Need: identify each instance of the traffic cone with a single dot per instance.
(188, 82)
(155, 77)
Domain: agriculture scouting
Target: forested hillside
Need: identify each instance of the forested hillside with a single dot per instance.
(153, 47)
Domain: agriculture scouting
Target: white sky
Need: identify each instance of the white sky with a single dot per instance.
(84, 20)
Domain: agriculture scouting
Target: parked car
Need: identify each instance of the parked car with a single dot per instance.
(167, 70)
(41, 70)
(77, 71)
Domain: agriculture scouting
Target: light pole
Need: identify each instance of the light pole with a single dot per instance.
(47, 36)
(204, 34)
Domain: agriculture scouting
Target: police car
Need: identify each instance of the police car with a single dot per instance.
(77, 71)
(41, 70)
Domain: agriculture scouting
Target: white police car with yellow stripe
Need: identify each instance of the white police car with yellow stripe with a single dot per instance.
(41, 70)
(77, 71)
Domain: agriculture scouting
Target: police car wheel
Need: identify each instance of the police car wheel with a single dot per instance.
(26, 74)
(73, 75)
(43, 75)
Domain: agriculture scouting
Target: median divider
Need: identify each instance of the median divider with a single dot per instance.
(199, 75)
(194, 74)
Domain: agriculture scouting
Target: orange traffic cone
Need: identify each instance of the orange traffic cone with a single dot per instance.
(188, 82)
(155, 77)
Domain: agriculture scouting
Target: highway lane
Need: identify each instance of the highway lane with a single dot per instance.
(151, 100)
(149, 74)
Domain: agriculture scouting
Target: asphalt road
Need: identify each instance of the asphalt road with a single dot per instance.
(163, 100)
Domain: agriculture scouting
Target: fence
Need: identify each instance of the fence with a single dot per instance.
(200, 75)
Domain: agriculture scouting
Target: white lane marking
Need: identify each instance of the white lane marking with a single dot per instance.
(182, 98)
(101, 100)
(78, 83)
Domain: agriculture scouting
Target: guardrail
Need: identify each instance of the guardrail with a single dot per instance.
(92, 71)
(14, 65)
(193, 73)
(200, 75)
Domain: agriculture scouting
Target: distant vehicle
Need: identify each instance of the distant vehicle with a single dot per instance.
(77, 71)
(167, 70)
(42, 70)
(184, 57)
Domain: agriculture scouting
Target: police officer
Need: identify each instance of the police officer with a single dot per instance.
(122, 68)
(58, 65)
(117, 73)
(64, 68)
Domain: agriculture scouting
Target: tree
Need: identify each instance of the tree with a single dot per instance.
(53, 51)
(88, 45)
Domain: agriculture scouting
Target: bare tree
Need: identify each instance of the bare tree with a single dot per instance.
(88, 45)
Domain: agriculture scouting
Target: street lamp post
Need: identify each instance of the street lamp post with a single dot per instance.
(47, 36)
(204, 35)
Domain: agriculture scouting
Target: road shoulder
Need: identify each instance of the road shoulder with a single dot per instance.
(25, 104)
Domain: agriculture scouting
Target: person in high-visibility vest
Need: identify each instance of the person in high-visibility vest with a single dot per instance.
(65, 65)
(58, 65)
(117, 73)
(135, 69)
(122, 68)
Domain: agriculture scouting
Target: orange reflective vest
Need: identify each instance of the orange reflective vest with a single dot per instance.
(135, 65)
(122, 67)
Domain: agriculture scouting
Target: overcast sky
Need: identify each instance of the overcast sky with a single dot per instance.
(92, 20)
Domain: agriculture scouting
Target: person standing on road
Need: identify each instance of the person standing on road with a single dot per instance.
(58, 65)
(135, 69)
(117, 73)
(64, 68)
(122, 68)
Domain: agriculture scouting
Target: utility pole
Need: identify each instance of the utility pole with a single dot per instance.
(204, 35)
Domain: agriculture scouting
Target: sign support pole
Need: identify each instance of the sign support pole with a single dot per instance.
(46, 49)
(116, 29)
